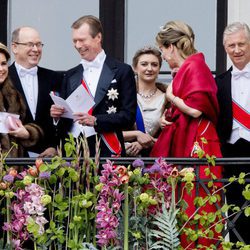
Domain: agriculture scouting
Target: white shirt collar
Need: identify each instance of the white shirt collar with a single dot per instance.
(245, 69)
(97, 62)
(20, 68)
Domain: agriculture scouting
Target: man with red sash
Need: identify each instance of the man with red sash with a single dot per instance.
(234, 120)
(109, 82)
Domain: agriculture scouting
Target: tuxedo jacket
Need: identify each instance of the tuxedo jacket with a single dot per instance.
(224, 95)
(48, 81)
(115, 76)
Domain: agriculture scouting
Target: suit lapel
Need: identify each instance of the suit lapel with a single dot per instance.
(42, 91)
(228, 89)
(76, 78)
(107, 75)
(16, 80)
(17, 83)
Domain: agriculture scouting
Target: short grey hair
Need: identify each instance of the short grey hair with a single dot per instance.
(235, 27)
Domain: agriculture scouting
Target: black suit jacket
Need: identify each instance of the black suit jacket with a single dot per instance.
(224, 94)
(118, 76)
(48, 80)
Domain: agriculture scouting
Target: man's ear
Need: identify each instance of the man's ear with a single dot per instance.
(14, 48)
(99, 36)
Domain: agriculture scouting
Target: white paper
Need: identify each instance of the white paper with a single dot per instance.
(32, 154)
(78, 101)
(78, 128)
(68, 112)
(3, 121)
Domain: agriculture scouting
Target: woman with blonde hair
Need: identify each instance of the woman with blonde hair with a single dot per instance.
(194, 109)
(151, 99)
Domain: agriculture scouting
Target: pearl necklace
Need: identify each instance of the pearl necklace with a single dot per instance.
(149, 95)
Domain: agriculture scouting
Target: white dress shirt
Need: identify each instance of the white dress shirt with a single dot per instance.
(241, 95)
(29, 81)
(91, 74)
(92, 71)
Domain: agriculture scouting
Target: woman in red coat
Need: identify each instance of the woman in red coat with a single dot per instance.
(194, 112)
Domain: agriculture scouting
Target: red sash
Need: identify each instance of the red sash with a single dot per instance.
(241, 115)
(109, 138)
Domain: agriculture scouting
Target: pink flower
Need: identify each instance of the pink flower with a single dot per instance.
(17, 226)
(7, 226)
(16, 244)
(109, 204)
(40, 220)
(27, 205)
(121, 170)
(105, 236)
(34, 190)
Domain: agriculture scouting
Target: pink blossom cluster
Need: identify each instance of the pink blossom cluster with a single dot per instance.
(26, 206)
(109, 203)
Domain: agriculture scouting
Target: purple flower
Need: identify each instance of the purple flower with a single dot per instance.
(160, 166)
(66, 164)
(44, 175)
(138, 163)
(155, 168)
(8, 178)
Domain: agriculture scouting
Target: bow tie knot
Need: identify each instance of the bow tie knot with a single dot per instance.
(32, 71)
(238, 74)
(91, 64)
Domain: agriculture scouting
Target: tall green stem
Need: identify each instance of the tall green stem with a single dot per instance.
(126, 212)
(69, 216)
(8, 219)
(76, 227)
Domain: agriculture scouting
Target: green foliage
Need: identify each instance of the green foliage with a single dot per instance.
(246, 192)
(165, 234)
(74, 187)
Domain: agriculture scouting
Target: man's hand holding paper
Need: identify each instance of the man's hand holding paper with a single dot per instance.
(76, 107)
(85, 119)
(78, 101)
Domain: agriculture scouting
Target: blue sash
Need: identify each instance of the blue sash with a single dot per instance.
(139, 120)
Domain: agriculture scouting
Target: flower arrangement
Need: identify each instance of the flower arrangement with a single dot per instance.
(82, 205)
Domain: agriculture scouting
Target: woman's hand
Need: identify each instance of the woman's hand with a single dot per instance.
(145, 140)
(169, 92)
(133, 148)
(163, 122)
(20, 132)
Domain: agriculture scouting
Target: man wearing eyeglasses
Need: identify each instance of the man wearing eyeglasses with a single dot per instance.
(34, 83)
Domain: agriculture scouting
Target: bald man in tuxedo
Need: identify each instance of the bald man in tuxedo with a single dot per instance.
(35, 84)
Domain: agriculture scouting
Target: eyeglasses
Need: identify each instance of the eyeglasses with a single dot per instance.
(31, 45)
